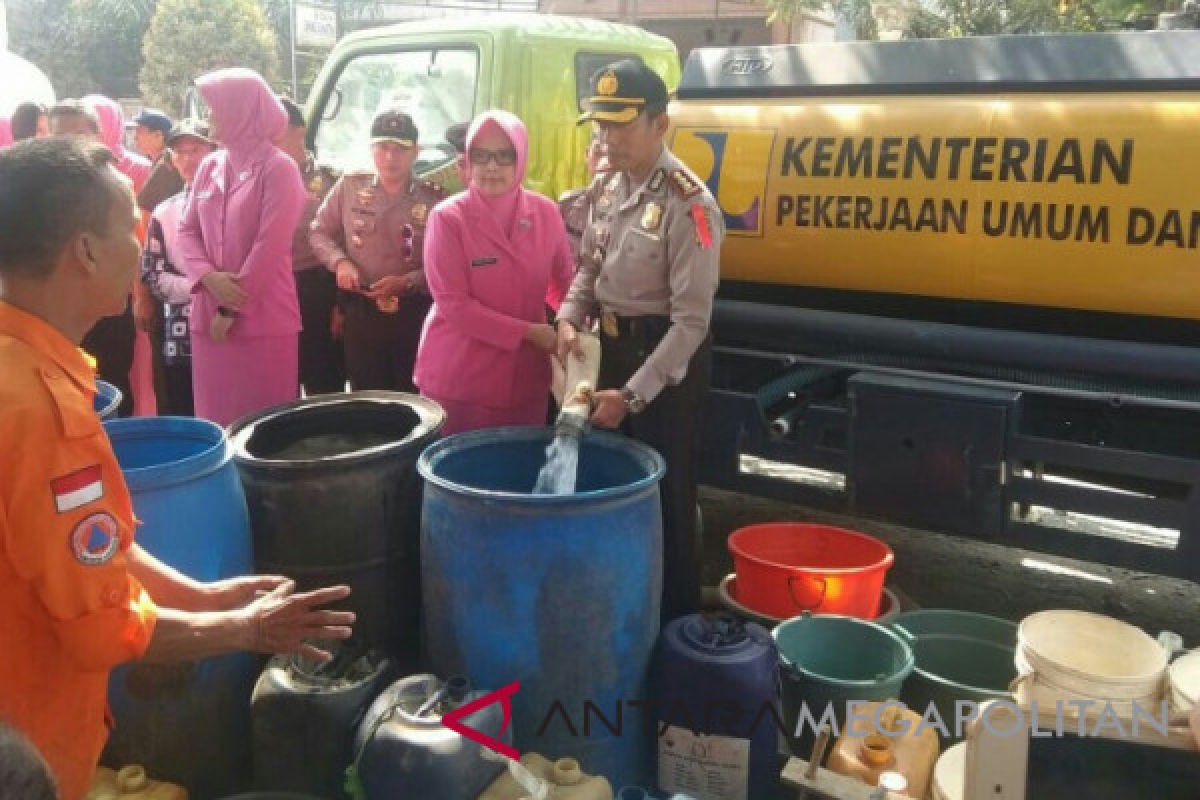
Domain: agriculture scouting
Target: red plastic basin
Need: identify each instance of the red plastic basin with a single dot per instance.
(787, 568)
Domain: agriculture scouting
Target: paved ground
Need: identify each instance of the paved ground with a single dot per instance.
(939, 571)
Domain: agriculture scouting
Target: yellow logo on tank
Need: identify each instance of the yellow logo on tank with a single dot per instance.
(734, 164)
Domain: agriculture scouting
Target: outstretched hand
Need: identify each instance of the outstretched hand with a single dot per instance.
(234, 593)
(281, 621)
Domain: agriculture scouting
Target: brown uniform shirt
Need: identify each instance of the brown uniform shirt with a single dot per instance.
(651, 250)
(318, 180)
(382, 234)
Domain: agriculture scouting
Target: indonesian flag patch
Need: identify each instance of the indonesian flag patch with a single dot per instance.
(77, 489)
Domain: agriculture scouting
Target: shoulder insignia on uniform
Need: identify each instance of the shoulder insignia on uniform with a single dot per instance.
(96, 539)
(704, 236)
(657, 179)
(685, 184)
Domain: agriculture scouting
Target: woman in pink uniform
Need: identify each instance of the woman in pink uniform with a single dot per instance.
(236, 240)
(112, 133)
(137, 168)
(495, 256)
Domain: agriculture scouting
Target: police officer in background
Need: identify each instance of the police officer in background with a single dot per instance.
(575, 204)
(370, 232)
(322, 362)
(648, 272)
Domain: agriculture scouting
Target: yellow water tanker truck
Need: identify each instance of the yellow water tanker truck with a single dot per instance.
(961, 283)
(1052, 172)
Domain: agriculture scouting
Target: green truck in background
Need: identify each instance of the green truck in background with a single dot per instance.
(445, 71)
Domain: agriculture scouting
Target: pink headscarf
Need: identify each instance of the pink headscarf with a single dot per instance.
(5, 132)
(502, 208)
(112, 133)
(248, 115)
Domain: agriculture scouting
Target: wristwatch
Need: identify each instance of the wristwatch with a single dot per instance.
(634, 404)
(226, 312)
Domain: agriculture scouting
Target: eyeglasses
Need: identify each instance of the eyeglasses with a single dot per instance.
(503, 158)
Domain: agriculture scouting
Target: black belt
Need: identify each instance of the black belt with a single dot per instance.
(618, 326)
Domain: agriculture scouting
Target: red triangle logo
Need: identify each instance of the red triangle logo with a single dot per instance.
(453, 719)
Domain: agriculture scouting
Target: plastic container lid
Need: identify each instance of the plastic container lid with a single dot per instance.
(950, 774)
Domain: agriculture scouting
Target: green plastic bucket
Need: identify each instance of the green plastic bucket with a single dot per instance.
(829, 660)
(961, 657)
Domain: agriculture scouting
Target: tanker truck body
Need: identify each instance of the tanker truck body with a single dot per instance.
(961, 284)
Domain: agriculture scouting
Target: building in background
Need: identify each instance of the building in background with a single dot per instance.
(688, 23)
(701, 23)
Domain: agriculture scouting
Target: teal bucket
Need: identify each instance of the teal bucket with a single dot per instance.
(827, 661)
(961, 657)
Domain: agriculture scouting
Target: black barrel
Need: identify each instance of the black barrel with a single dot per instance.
(334, 497)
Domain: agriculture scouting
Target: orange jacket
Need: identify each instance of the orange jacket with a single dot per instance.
(69, 609)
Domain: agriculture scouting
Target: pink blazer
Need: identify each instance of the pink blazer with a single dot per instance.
(486, 291)
(243, 222)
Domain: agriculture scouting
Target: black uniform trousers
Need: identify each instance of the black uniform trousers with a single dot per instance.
(671, 425)
(381, 349)
(176, 399)
(322, 362)
(110, 342)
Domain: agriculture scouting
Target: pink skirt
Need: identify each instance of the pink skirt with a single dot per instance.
(462, 416)
(237, 377)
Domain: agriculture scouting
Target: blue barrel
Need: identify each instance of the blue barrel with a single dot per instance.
(558, 592)
(186, 723)
(107, 401)
(717, 691)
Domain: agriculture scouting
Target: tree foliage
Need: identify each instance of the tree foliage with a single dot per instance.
(857, 14)
(190, 37)
(44, 32)
(943, 18)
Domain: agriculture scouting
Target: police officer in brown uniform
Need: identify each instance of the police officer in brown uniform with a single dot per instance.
(648, 272)
(370, 232)
(575, 204)
(322, 362)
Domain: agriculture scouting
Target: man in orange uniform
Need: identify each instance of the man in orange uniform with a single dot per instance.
(77, 596)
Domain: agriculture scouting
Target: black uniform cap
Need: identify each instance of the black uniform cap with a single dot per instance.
(196, 128)
(394, 126)
(623, 90)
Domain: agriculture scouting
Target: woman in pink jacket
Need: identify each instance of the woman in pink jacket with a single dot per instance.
(495, 256)
(137, 168)
(235, 237)
(112, 133)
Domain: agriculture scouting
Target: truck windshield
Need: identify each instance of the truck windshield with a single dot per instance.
(436, 87)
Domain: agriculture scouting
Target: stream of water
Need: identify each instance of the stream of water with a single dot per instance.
(562, 463)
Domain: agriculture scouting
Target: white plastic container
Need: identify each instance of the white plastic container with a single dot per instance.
(950, 774)
(131, 783)
(1184, 679)
(1065, 655)
(563, 779)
